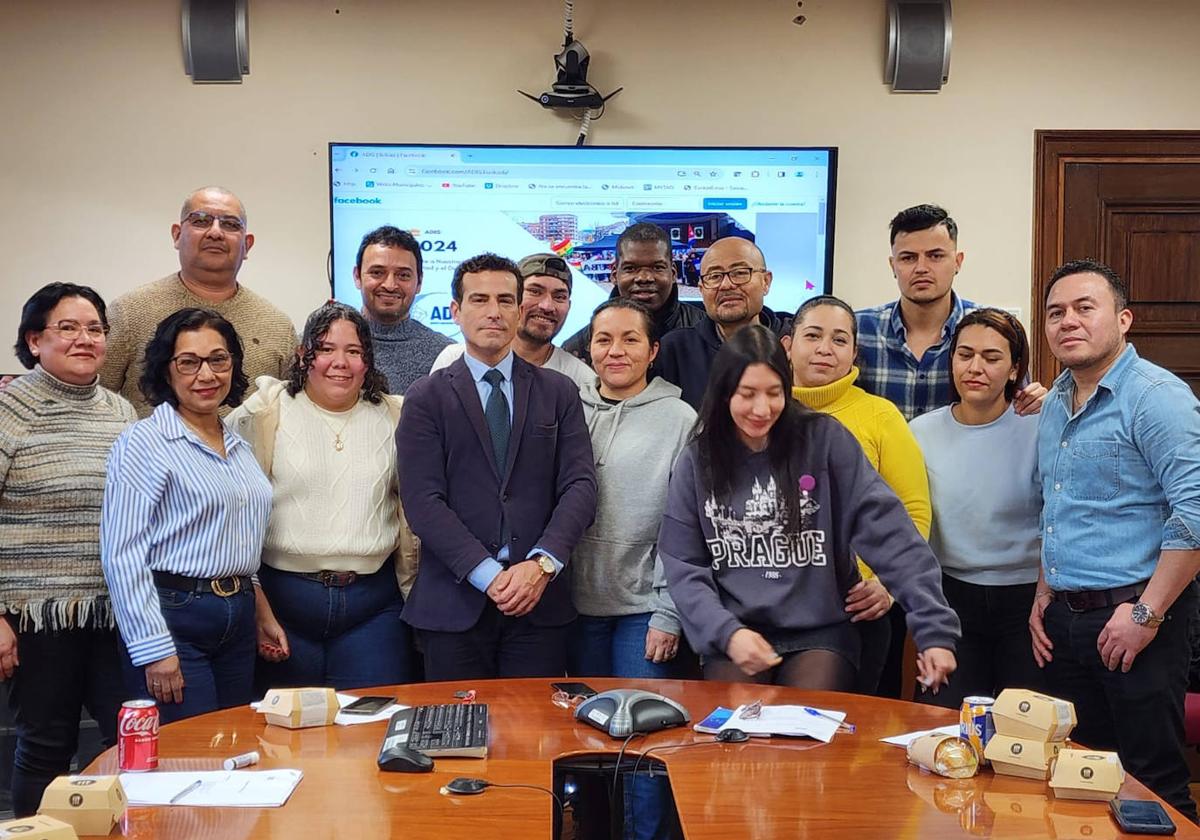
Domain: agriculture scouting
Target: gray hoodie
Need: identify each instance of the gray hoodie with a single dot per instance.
(634, 442)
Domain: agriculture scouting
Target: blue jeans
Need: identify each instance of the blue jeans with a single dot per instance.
(215, 640)
(341, 636)
(612, 646)
(60, 672)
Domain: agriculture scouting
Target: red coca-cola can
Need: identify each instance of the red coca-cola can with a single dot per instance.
(137, 736)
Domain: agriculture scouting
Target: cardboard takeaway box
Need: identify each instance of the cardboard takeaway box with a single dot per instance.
(297, 708)
(1021, 713)
(93, 804)
(37, 828)
(1087, 774)
(1024, 757)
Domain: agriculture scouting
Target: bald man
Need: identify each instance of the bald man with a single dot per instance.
(213, 242)
(733, 282)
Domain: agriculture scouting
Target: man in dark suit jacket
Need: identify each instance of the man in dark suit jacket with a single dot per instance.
(496, 478)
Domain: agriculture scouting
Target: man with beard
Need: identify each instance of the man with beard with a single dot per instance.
(644, 271)
(733, 282)
(1119, 457)
(545, 302)
(388, 272)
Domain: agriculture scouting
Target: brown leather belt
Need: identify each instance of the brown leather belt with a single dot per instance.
(330, 578)
(224, 586)
(1097, 599)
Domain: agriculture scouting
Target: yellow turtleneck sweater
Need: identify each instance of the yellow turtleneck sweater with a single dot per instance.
(885, 438)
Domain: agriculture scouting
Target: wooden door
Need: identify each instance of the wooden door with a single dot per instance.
(1132, 200)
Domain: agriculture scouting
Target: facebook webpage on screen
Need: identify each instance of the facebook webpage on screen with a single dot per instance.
(575, 201)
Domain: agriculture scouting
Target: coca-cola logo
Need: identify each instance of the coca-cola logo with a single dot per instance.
(139, 725)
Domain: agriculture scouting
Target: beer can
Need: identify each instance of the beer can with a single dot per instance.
(137, 736)
(975, 723)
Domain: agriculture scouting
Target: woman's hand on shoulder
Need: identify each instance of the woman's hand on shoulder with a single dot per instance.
(751, 652)
(1030, 398)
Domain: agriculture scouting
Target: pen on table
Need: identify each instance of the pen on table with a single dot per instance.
(185, 792)
(842, 725)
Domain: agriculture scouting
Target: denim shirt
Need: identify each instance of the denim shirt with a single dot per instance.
(1120, 477)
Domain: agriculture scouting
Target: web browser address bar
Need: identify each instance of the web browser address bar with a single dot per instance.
(461, 171)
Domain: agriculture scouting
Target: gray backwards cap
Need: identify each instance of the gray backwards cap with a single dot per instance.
(551, 265)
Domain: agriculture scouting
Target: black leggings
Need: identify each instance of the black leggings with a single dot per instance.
(817, 670)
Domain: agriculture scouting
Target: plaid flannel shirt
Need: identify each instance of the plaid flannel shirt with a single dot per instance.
(888, 369)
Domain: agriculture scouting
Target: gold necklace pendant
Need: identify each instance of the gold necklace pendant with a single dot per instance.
(337, 443)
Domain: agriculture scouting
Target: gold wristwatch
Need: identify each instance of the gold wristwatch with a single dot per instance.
(546, 565)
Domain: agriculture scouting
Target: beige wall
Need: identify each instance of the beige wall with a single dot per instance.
(103, 133)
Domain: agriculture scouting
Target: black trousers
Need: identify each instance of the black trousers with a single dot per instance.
(497, 646)
(1138, 714)
(876, 639)
(996, 650)
(60, 673)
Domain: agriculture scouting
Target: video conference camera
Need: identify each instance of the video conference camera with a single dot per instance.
(571, 88)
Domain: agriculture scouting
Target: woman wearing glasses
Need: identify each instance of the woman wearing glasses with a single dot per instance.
(337, 539)
(58, 643)
(822, 349)
(185, 510)
(767, 508)
(985, 533)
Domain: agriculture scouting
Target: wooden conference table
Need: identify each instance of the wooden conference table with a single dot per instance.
(787, 788)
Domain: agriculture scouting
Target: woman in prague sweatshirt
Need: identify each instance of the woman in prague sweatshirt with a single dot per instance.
(767, 509)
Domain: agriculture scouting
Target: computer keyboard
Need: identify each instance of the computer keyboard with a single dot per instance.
(450, 729)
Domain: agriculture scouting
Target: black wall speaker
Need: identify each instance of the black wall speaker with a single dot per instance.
(918, 55)
(216, 40)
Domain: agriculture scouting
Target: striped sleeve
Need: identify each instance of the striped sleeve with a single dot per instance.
(125, 539)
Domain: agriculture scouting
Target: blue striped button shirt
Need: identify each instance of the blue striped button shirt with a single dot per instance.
(171, 504)
(888, 369)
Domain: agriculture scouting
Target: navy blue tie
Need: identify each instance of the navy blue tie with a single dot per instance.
(498, 422)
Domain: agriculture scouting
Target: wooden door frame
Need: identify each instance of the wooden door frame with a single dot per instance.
(1053, 150)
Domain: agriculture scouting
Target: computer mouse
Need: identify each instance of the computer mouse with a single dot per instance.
(404, 760)
(732, 736)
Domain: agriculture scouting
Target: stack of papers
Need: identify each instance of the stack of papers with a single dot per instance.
(213, 789)
(797, 721)
(908, 737)
(344, 719)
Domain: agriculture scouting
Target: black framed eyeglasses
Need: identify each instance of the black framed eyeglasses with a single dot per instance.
(189, 364)
(199, 220)
(737, 276)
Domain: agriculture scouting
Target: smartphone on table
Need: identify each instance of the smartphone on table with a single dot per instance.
(574, 689)
(368, 705)
(1141, 816)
